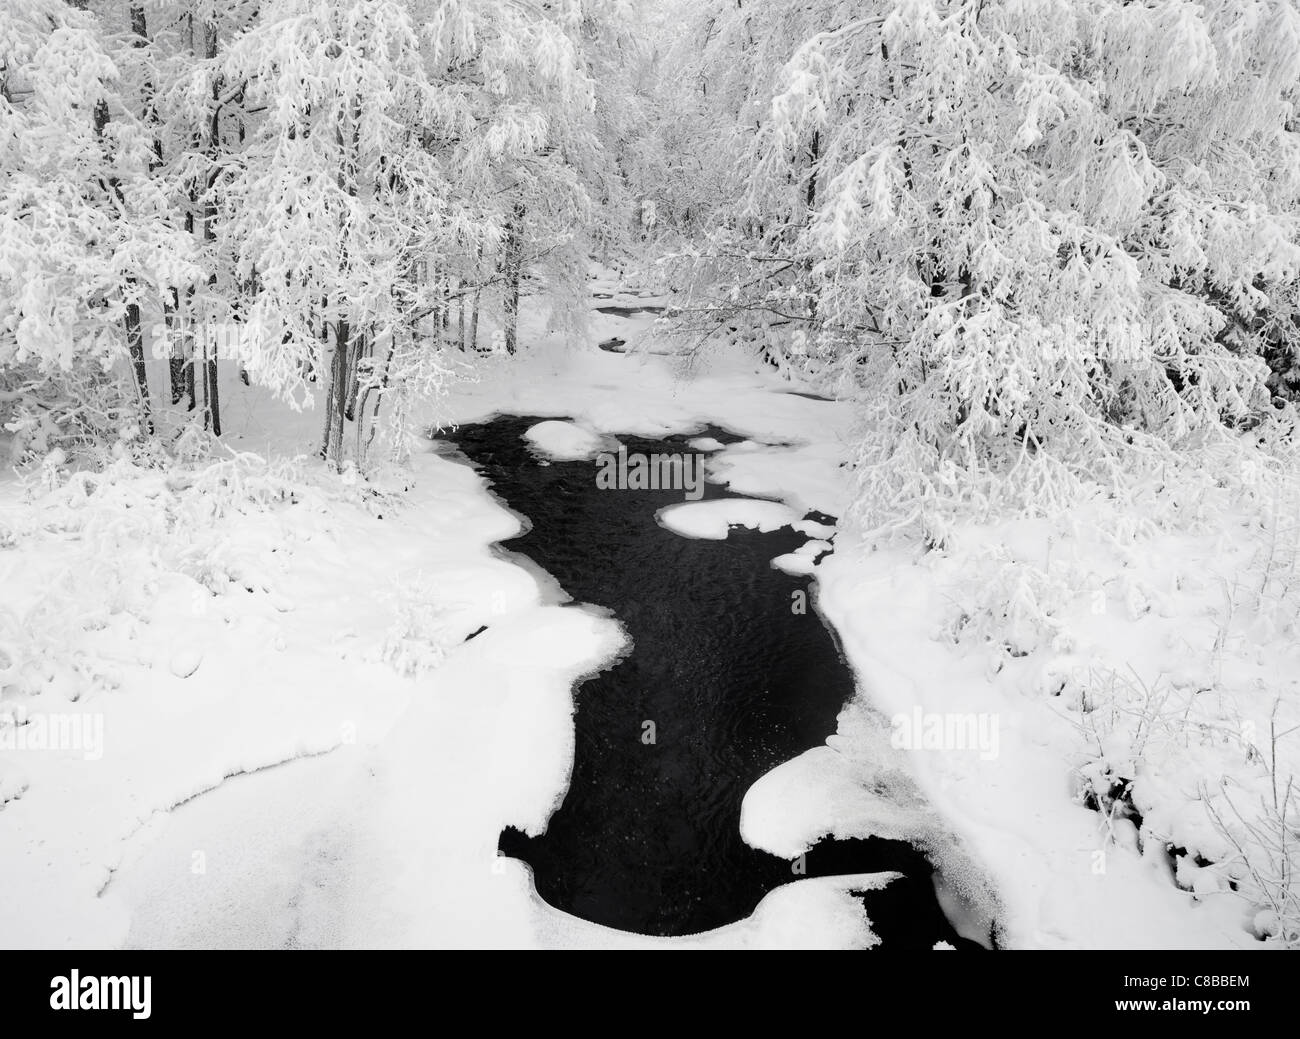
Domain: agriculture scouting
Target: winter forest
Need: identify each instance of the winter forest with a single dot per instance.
(610, 474)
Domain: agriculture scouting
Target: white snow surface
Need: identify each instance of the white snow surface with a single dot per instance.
(300, 748)
(564, 441)
(714, 519)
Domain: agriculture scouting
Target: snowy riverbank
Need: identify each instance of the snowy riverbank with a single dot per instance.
(301, 745)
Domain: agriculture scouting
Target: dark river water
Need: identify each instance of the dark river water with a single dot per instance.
(734, 680)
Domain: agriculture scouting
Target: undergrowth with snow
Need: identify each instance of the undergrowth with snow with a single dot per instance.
(1164, 632)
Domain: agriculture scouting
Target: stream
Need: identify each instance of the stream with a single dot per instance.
(735, 682)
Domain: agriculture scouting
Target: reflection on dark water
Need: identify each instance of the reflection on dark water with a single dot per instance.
(618, 311)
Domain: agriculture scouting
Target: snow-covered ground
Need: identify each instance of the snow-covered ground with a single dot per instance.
(1132, 629)
(299, 742)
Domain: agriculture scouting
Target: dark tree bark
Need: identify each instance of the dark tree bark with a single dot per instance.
(513, 263)
(360, 345)
(460, 313)
(179, 368)
(170, 301)
(131, 320)
(478, 299)
(211, 395)
(338, 394)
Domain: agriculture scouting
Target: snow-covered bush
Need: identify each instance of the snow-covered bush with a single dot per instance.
(1200, 783)
(1263, 832)
(1166, 651)
(421, 633)
(1012, 605)
(74, 414)
(107, 536)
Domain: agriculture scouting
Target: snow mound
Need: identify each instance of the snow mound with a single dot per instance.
(564, 441)
(821, 793)
(714, 519)
(803, 559)
(185, 662)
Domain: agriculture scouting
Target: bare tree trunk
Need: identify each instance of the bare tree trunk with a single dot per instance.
(175, 352)
(131, 320)
(339, 379)
(329, 413)
(814, 156)
(360, 344)
(134, 338)
(460, 313)
(254, 286)
(478, 297)
(185, 305)
(211, 396)
(329, 393)
(363, 450)
(135, 348)
(344, 363)
(187, 339)
(513, 263)
(473, 321)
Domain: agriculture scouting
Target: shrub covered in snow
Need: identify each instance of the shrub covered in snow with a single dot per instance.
(105, 537)
(422, 630)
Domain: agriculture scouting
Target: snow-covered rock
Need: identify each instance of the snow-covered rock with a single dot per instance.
(564, 441)
(714, 519)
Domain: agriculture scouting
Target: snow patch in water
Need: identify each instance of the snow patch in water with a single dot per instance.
(714, 519)
(565, 441)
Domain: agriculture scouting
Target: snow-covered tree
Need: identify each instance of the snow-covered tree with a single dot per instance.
(86, 235)
(398, 157)
(331, 197)
(530, 145)
(1051, 238)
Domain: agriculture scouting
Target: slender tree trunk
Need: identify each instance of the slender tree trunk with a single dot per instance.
(513, 265)
(473, 321)
(478, 297)
(440, 308)
(175, 364)
(327, 435)
(131, 320)
(341, 397)
(363, 451)
(360, 344)
(814, 156)
(329, 393)
(175, 351)
(254, 286)
(188, 344)
(460, 313)
(134, 338)
(211, 396)
(340, 381)
(135, 347)
(324, 339)
(185, 305)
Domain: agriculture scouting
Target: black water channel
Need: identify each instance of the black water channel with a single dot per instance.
(735, 679)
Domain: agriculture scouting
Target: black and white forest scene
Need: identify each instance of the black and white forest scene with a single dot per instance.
(686, 474)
